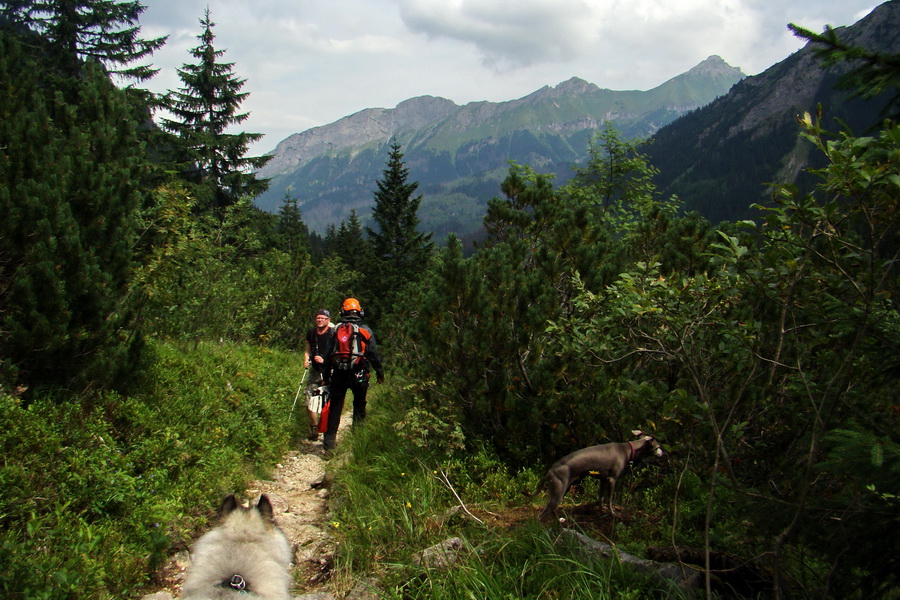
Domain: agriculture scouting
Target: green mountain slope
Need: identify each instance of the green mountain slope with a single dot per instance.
(719, 158)
(460, 154)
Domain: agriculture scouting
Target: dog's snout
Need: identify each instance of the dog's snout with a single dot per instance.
(658, 451)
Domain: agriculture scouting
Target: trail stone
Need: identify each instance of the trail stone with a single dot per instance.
(441, 556)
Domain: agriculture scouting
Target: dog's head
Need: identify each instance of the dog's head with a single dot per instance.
(649, 439)
(245, 553)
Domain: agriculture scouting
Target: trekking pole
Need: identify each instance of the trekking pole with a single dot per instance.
(302, 379)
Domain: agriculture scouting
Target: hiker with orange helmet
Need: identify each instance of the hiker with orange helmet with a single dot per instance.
(350, 354)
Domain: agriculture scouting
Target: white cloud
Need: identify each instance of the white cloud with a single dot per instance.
(311, 62)
(507, 33)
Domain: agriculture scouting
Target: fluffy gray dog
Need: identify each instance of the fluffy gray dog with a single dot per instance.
(245, 556)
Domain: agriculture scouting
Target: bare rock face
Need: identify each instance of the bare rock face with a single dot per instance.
(372, 125)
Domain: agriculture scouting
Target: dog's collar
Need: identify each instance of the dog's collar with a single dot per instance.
(237, 583)
(630, 443)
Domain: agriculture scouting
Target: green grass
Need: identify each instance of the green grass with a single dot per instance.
(525, 563)
(96, 492)
(393, 498)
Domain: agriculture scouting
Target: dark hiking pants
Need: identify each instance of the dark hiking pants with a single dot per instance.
(340, 384)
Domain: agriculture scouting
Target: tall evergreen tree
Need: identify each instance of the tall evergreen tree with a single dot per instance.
(316, 247)
(69, 192)
(401, 251)
(104, 31)
(203, 110)
(349, 244)
(291, 232)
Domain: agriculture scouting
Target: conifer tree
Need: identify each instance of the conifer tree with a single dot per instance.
(401, 251)
(103, 31)
(203, 110)
(291, 231)
(69, 192)
(348, 243)
(316, 247)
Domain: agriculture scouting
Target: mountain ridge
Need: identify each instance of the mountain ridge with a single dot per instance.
(373, 124)
(718, 138)
(460, 153)
(359, 128)
(720, 159)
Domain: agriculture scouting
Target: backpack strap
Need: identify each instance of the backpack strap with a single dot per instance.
(360, 341)
(352, 356)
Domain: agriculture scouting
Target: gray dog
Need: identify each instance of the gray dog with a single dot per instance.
(245, 556)
(606, 461)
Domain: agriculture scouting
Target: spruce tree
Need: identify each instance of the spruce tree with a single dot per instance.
(103, 31)
(202, 111)
(291, 232)
(348, 243)
(401, 251)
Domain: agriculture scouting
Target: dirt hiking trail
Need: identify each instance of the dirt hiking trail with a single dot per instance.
(299, 493)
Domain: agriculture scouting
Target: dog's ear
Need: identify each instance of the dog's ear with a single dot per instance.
(636, 432)
(264, 506)
(228, 505)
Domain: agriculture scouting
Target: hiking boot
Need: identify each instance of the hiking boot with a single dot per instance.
(313, 434)
(328, 448)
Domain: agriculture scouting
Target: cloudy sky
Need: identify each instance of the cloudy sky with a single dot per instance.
(310, 62)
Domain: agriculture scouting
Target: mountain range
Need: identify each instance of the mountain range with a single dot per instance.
(717, 138)
(460, 154)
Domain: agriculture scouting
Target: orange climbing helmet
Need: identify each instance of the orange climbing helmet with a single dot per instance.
(350, 306)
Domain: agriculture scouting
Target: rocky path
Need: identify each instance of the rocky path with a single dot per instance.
(298, 491)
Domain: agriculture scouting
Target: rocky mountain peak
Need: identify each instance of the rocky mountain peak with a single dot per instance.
(359, 129)
(424, 109)
(575, 86)
(714, 66)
